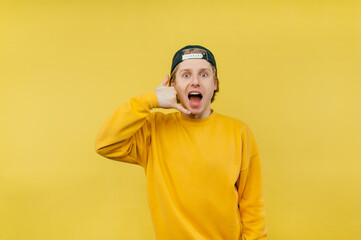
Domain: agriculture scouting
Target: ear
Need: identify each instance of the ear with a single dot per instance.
(172, 83)
(215, 84)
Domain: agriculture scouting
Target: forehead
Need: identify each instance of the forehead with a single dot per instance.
(194, 64)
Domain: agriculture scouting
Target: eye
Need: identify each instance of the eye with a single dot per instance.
(204, 75)
(186, 75)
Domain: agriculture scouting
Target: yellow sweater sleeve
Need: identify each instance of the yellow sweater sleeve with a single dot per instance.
(251, 205)
(126, 134)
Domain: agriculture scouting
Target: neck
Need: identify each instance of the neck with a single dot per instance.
(204, 114)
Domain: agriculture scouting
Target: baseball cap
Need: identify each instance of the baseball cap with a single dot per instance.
(179, 56)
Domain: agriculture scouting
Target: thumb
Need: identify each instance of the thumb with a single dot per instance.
(165, 81)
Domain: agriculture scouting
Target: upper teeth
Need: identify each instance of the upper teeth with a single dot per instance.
(193, 93)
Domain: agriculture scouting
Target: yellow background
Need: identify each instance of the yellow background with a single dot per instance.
(289, 69)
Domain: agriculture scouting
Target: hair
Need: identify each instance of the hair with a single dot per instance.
(214, 70)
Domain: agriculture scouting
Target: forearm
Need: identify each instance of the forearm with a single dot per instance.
(124, 123)
(251, 204)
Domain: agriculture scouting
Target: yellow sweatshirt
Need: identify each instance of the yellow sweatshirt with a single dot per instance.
(203, 175)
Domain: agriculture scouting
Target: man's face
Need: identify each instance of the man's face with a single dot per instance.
(195, 85)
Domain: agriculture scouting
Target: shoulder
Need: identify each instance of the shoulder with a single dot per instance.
(231, 121)
(158, 117)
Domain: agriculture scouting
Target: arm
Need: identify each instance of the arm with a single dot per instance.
(251, 205)
(125, 136)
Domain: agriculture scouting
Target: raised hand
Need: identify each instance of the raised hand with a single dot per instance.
(167, 97)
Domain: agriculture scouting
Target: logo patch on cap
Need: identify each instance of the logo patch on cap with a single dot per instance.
(192, 55)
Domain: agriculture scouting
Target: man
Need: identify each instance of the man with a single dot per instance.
(202, 168)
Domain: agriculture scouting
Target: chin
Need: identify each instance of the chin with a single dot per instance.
(197, 112)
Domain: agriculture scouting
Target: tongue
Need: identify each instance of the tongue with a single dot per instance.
(195, 101)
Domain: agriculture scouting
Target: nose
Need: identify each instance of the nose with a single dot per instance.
(195, 80)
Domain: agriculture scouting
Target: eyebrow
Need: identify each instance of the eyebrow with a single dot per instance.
(190, 70)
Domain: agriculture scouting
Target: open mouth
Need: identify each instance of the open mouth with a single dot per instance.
(195, 98)
(194, 95)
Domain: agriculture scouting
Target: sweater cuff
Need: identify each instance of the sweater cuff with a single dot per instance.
(150, 98)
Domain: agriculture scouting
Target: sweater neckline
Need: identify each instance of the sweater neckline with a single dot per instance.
(196, 120)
